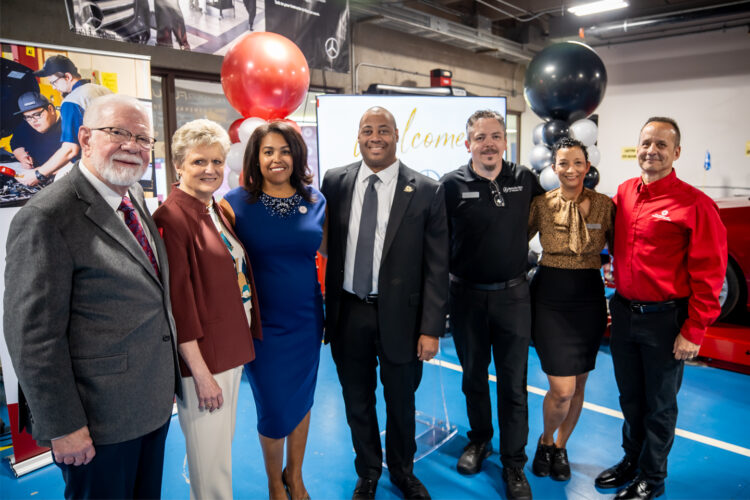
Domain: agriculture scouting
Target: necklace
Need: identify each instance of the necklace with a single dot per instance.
(281, 207)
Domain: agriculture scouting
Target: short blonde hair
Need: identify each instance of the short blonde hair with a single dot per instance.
(199, 132)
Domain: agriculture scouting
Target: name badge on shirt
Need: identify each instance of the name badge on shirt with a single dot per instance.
(593, 226)
(467, 195)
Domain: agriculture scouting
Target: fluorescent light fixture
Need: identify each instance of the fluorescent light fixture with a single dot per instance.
(586, 9)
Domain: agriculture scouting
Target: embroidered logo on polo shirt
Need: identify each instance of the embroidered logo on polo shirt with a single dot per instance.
(663, 215)
(512, 189)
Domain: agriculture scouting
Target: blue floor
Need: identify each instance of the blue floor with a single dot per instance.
(714, 463)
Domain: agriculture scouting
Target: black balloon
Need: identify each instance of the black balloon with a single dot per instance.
(565, 81)
(591, 179)
(553, 131)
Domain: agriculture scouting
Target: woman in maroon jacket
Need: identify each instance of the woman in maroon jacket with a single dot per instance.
(213, 302)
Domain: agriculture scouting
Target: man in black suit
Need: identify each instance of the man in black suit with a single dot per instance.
(386, 295)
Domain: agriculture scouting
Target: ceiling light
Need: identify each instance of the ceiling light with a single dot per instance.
(589, 8)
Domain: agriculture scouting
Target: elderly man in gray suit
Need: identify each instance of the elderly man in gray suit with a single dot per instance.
(87, 313)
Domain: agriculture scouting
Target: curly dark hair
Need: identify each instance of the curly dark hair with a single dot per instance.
(301, 174)
(566, 143)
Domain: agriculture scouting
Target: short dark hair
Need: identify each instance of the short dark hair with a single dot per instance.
(670, 121)
(567, 143)
(484, 113)
(301, 174)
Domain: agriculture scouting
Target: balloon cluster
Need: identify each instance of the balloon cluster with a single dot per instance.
(564, 84)
(265, 77)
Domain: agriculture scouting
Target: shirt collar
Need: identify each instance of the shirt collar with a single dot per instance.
(663, 185)
(79, 83)
(386, 175)
(110, 196)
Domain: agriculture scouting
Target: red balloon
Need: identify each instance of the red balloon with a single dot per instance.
(234, 135)
(266, 75)
(294, 124)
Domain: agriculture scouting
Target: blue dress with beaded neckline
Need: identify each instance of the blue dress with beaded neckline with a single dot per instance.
(282, 236)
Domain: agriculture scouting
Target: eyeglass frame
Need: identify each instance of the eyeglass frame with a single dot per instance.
(497, 197)
(113, 132)
(35, 116)
(53, 82)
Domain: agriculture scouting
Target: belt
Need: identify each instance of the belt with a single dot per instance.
(650, 307)
(371, 298)
(489, 287)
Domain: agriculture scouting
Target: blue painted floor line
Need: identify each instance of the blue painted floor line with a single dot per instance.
(713, 403)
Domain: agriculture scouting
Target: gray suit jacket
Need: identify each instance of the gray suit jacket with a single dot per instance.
(87, 321)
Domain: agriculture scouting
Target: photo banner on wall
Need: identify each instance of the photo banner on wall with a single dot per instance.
(43, 87)
(318, 27)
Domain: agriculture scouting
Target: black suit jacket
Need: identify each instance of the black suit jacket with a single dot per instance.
(413, 277)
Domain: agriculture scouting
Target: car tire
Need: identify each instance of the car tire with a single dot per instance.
(730, 291)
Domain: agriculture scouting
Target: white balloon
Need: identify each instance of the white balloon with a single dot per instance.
(548, 179)
(246, 128)
(540, 157)
(234, 157)
(594, 155)
(585, 131)
(536, 135)
(233, 179)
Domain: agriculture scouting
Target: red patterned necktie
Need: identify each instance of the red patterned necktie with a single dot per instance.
(131, 220)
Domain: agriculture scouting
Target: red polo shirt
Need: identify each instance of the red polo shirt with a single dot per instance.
(670, 243)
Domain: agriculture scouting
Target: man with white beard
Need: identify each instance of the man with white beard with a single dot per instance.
(87, 316)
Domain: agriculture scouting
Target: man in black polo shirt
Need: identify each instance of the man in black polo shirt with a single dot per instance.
(488, 202)
(38, 136)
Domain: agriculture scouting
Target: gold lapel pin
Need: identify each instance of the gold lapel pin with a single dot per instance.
(408, 189)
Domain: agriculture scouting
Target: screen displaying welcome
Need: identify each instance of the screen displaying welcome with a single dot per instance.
(432, 130)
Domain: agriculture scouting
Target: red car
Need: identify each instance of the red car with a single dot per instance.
(735, 213)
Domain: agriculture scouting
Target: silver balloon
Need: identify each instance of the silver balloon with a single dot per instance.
(594, 155)
(235, 156)
(233, 179)
(536, 135)
(540, 157)
(585, 131)
(548, 179)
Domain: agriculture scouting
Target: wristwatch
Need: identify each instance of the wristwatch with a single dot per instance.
(40, 176)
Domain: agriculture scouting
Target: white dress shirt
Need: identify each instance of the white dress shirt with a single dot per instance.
(385, 188)
(113, 199)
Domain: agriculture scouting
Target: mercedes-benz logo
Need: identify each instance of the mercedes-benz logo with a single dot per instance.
(332, 48)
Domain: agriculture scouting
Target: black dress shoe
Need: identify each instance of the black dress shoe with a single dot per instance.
(619, 474)
(365, 489)
(473, 456)
(516, 485)
(411, 487)
(542, 459)
(640, 489)
(560, 466)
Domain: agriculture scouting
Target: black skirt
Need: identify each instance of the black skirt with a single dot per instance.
(569, 319)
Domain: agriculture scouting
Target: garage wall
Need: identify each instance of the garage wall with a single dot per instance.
(702, 81)
(45, 21)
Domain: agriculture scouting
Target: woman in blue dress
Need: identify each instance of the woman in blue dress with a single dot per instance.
(279, 217)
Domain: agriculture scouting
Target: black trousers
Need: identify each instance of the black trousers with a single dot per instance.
(356, 352)
(648, 377)
(131, 469)
(497, 322)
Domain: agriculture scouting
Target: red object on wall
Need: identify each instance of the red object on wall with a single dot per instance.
(24, 446)
(441, 78)
(320, 263)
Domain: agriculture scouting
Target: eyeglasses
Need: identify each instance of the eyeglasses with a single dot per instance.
(53, 82)
(122, 136)
(34, 116)
(497, 198)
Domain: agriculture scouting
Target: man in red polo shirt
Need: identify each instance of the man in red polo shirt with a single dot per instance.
(670, 259)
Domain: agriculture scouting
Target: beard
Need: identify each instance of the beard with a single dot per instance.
(123, 176)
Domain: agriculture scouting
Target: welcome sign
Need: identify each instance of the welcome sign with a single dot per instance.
(432, 130)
